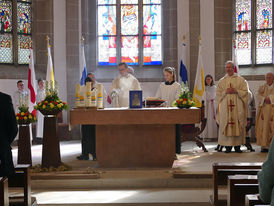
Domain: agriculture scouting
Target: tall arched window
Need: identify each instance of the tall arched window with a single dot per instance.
(129, 31)
(15, 31)
(253, 32)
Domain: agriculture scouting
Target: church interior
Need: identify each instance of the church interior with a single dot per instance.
(126, 115)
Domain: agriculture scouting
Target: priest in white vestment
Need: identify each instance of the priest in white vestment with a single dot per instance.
(232, 104)
(119, 91)
(211, 129)
(40, 117)
(265, 117)
(170, 91)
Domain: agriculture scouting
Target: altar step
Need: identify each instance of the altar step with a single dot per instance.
(120, 180)
(131, 197)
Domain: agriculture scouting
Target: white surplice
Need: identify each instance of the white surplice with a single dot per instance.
(40, 117)
(169, 92)
(211, 129)
(119, 91)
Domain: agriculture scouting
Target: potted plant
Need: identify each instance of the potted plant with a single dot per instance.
(184, 100)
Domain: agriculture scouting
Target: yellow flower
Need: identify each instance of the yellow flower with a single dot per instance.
(59, 105)
(17, 118)
(184, 102)
(46, 101)
(34, 118)
(51, 105)
(22, 113)
(44, 106)
(25, 118)
(30, 117)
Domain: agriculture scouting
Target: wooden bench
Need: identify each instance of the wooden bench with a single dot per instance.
(4, 193)
(240, 185)
(220, 172)
(21, 179)
(253, 200)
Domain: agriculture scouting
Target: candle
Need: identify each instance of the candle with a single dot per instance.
(100, 89)
(88, 94)
(77, 95)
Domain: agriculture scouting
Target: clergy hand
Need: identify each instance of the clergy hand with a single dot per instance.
(267, 100)
(231, 90)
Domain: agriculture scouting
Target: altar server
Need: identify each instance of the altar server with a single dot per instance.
(20, 91)
(170, 91)
(232, 104)
(211, 129)
(40, 117)
(265, 116)
(119, 91)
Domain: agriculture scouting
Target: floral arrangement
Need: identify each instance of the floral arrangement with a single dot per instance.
(24, 116)
(185, 100)
(52, 103)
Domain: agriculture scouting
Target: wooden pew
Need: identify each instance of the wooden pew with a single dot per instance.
(220, 172)
(4, 195)
(21, 179)
(253, 200)
(240, 185)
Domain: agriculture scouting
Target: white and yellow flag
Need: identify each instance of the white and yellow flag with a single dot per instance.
(50, 73)
(199, 86)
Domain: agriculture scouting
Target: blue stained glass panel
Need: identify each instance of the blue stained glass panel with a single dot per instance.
(129, 20)
(106, 20)
(152, 20)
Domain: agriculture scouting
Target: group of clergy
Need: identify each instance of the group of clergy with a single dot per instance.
(227, 105)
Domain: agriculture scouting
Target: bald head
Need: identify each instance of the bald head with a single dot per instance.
(269, 77)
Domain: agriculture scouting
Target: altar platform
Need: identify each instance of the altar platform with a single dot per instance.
(131, 186)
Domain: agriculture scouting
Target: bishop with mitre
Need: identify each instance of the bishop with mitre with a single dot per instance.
(265, 118)
(232, 106)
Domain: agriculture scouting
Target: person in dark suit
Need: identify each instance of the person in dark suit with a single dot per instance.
(8, 131)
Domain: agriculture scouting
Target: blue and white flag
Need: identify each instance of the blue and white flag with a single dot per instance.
(183, 70)
(83, 66)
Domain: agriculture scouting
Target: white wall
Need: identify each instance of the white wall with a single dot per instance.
(207, 35)
(59, 44)
(183, 32)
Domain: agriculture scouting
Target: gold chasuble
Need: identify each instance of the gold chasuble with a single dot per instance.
(265, 118)
(232, 110)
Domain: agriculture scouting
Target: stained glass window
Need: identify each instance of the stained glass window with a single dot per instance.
(107, 32)
(243, 45)
(6, 48)
(122, 43)
(23, 18)
(257, 50)
(243, 15)
(18, 30)
(6, 16)
(129, 20)
(24, 44)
